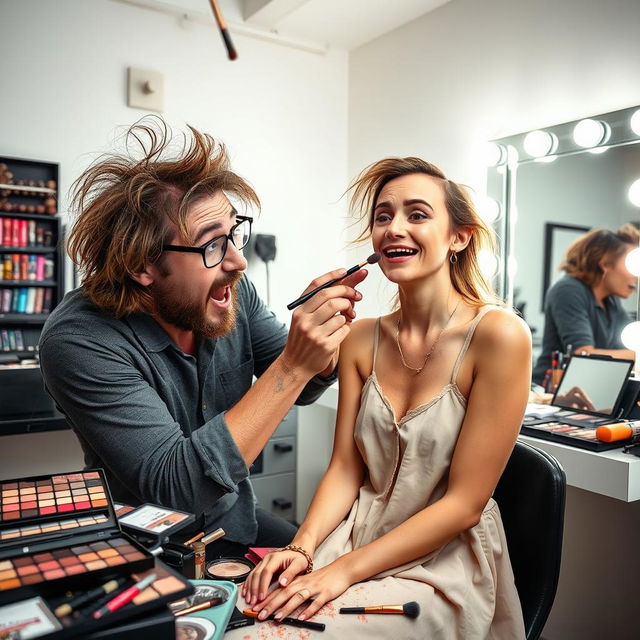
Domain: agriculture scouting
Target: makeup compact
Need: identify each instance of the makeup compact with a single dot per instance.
(153, 521)
(588, 396)
(235, 570)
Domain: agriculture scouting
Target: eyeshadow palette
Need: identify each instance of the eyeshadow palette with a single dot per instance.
(59, 494)
(572, 435)
(61, 529)
(69, 561)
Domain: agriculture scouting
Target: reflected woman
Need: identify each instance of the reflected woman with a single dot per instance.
(583, 309)
(431, 400)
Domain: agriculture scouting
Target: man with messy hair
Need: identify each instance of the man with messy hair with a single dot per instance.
(152, 359)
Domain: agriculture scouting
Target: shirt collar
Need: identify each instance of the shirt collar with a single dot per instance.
(149, 332)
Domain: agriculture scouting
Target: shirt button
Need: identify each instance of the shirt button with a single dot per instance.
(204, 406)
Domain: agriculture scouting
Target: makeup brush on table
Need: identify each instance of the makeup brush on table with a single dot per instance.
(294, 622)
(372, 259)
(411, 609)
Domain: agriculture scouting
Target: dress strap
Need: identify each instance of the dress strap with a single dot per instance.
(376, 339)
(467, 340)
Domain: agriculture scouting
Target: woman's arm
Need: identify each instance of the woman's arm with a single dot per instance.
(502, 356)
(339, 486)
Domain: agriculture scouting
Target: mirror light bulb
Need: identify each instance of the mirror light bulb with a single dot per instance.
(488, 209)
(589, 133)
(635, 122)
(630, 336)
(634, 193)
(488, 263)
(632, 262)
(495, 154)
(539, 143)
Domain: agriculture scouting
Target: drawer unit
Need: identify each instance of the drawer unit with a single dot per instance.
(273, 473)
(276, 493)
(279, 455)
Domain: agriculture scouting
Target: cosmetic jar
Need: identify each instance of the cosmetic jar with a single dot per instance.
(233, 569)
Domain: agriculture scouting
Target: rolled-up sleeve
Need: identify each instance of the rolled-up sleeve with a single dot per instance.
(129, 426)
(269, 337)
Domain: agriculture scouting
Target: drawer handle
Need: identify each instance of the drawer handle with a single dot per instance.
(282, 503)
(282, 447)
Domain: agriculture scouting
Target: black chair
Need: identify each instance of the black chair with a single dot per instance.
(531, 497)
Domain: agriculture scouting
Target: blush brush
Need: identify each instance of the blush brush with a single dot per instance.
(410, 609)
(372, 259)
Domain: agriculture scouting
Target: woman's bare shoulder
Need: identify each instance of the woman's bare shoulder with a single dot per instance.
(357, 347)
(502, 329)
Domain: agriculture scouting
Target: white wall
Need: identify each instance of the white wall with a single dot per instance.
(471, 71)
(281, 111)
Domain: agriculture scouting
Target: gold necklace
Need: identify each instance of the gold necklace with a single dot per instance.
(433, 346)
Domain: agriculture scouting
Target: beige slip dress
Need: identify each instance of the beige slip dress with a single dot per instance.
(466, 588)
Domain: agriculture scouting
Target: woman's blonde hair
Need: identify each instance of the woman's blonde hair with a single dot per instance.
(125, 207)
(466, 276)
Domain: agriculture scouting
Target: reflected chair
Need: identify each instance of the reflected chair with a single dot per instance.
(531, 497)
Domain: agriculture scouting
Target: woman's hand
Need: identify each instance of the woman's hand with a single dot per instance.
(319, 587)
(256, 586)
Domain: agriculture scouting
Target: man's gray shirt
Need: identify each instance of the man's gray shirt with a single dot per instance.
(573, 317)
(154, 417)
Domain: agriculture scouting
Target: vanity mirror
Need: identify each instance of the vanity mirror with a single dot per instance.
(552, 185)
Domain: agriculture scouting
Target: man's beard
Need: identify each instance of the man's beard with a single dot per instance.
(191, 315)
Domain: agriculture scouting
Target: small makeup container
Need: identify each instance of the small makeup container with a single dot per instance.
(179, 557)
(234, 570)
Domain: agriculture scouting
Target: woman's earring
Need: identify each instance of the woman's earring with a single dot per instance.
(453, 258)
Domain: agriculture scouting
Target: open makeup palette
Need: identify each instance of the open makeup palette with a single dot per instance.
(59, 535)
(589, 395)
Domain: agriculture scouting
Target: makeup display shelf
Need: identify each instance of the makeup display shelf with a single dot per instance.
(31, 284)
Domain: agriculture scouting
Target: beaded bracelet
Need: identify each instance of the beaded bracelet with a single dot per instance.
(295, 547)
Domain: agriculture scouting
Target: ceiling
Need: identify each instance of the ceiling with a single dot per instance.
(336, 23)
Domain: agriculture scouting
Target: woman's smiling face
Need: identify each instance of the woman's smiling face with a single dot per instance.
(411, 228)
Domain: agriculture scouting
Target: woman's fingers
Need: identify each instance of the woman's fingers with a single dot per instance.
(314, 606)
(296, 600)
(256, 586)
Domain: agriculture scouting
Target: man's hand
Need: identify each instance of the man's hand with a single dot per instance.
(320, 324)
(576, 398)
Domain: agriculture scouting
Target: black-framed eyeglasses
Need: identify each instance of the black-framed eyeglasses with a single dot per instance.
(214, 251)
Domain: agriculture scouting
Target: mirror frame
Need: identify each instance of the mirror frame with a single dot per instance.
(502, 177)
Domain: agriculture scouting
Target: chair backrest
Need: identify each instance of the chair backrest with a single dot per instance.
(531, 497)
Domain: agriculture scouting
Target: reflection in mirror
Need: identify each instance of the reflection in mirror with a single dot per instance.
(555, 197)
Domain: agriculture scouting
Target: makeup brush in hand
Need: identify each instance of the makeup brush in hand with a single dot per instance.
(411, 609)
(372, 259)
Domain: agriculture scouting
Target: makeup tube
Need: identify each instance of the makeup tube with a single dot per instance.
(200, 553)
(618, 431)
